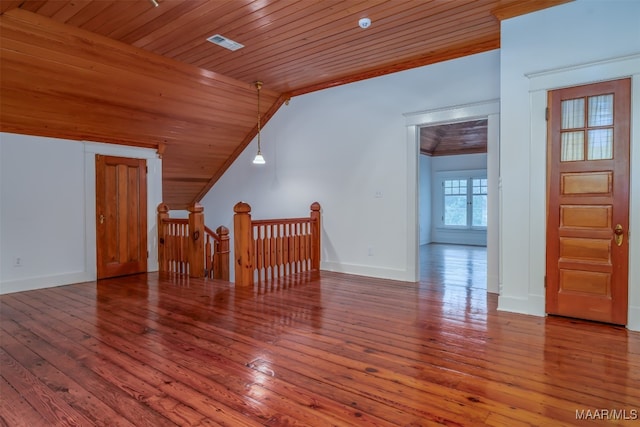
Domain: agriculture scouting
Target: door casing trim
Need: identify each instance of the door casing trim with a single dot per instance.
(154, 198)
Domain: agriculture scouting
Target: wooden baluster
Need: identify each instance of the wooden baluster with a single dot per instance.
(179, 231)
(254, 251)
(295, 252)
(307, 247)
(185, 248)
(195, 248)
(177, 239)
(272, 251)
(286, 242)
(184, 232)
(169, 249)
(163, 213)
(222, 266)
(304, 245)
(177, 242)
(315, 236)
(180, 242)
(294, 249)
(243, 244)
(264, 249)
(259, 252)
(209, 255)
(279, 249)
(172, 247)
(267, 251)
(310, 244)
(308, 259)
(296, 238)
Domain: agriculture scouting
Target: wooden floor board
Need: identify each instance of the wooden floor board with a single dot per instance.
(96, 372)
(323, 349)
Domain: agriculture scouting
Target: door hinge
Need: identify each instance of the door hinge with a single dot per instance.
(545, 281)
(546, 114)
(147, 254)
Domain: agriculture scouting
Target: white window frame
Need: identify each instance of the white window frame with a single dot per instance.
(467, 175)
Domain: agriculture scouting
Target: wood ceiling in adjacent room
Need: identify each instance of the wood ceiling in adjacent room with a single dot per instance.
(195, 98)
(454, 138)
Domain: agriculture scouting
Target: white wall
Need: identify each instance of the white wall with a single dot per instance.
(425, 199)
(442, 166)
(341, 147)
(47, 209)
(556, 47)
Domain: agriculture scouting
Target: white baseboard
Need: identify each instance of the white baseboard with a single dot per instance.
(493, 284)
(534, 305)
(537, 305)
(367, 270)
(633, 319)
(42, 282)
(520, 305)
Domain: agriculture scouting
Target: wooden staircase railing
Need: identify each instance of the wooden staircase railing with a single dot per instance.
(267, 249)
(173, 243)
(187, 246)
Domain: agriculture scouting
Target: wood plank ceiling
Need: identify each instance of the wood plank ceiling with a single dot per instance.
(124, 71)
(454, 138)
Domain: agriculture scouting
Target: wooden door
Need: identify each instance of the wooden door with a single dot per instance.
(121, 216)
(588, 202)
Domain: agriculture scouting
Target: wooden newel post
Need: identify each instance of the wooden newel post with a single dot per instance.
(195, 254)
(222, 269)
(315, 236)
(163, 213)
(242, 244)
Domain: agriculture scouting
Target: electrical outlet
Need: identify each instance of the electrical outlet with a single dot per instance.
(17, 262)
(378, 194)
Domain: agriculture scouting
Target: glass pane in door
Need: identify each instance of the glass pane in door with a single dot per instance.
(600, 144)
(573, 113)
(572, 146)
(600, 110)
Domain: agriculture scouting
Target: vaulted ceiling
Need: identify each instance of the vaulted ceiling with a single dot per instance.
(126, 72)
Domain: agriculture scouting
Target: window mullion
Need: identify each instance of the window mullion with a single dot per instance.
(469, 202)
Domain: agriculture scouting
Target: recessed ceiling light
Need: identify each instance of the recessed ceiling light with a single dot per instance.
(364, 22)
(225, 42)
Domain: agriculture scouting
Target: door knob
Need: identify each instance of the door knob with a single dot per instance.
(101, 219)
(618, 234)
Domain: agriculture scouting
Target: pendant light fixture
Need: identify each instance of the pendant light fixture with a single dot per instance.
(259, 159)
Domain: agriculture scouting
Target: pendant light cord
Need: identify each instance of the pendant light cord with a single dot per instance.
(258, 87)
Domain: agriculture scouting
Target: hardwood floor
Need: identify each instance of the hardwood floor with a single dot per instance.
(323, 350)
(454, 265)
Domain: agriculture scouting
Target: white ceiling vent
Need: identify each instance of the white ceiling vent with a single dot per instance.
(225, 42)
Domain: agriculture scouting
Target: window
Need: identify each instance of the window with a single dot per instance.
(465, 202)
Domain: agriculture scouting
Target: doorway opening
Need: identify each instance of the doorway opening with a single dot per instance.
(456, 185)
